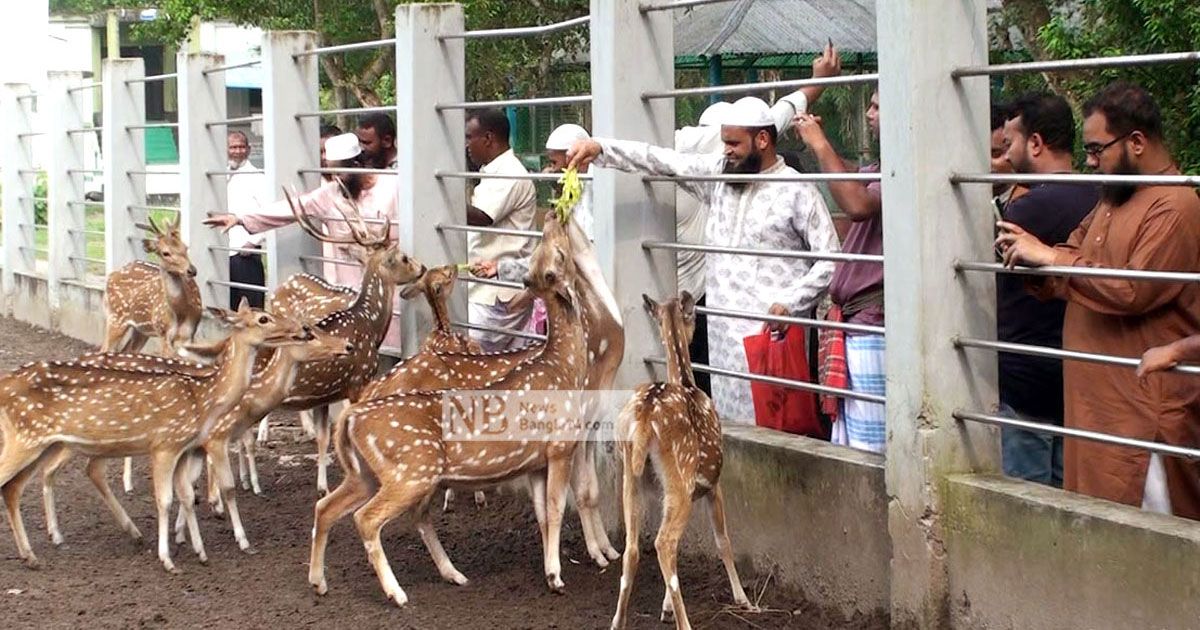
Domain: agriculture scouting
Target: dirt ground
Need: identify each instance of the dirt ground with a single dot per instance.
(101, 579)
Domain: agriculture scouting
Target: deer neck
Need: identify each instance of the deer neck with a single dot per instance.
(679, 361)
(605, 330)
(179, 303)
(441, 314)
(272, 384)
(565, 334)
(374, 300)
(232, 378)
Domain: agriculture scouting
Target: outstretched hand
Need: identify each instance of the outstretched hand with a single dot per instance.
(223, 222)
(582, 153)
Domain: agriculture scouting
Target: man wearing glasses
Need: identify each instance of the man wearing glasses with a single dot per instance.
(1154, 228)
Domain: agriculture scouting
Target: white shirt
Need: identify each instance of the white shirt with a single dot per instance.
(511, 204)
(245, 191)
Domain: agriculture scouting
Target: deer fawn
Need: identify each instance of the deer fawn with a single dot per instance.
(675, 426)
(143, 301)
(395, 451)
(120, 405)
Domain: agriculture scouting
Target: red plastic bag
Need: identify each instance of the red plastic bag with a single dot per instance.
(782, 408)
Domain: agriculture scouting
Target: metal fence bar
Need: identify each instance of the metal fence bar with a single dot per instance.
(537, 177)
(774, 380)
(232, 66)
(39, 250)
(781, 319)
(152, 78)
(327, 259)
(234, 121)
(348, 169)
(487, 230)
(31, 134)
(1055, 353)
(148, 172)
(240, 250)
(84, 129)
(33, 198)
(502, 331)
(30, 171)
(83, 284)
(387, 109)
(86, 232)
(518, 102)
(1086, 272)
(98, 261)
(1091, 63)
(778, 253)
(325, 50)
(88, 86)
(153, 208)
(490, 281)
(752, 177)
(1075, 178)
(1051, 429)
(742, 88)
(85, 171)
(647, 7)
(239, 285)
(156, 125)
(523, 31)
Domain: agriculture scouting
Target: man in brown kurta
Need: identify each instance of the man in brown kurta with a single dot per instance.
(1143, 227)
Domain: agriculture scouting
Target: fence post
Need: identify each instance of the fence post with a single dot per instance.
(15, 156)
(932, 124)
(202, 151)
(290, 143)
(124, 150)
(631, 53)
(64, 186)
(429, 71)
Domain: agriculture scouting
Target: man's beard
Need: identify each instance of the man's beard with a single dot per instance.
(1118, 194)
(236, 164)
(749, 165)
(353, 183)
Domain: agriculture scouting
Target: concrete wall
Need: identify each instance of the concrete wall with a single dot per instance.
(813, 514)
(1030, 557)
(81, 314)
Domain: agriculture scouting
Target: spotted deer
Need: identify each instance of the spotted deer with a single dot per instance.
(105, 406)
(363, 323)
(674, 425)
(143, 301)
(396, 452)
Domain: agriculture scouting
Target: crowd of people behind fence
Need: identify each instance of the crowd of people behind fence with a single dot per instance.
(1041, 224)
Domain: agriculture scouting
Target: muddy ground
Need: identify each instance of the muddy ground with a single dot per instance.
(101, 579)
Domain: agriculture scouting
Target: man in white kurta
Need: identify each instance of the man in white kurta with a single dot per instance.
(760, 215)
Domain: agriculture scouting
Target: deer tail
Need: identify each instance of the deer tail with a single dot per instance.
(343, 447)
(639, 433)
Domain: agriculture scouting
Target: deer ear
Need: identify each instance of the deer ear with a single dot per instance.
(150, 245)
(222, 314)
(243, 306)
(650, 304)
(411, 290)
(688, 304)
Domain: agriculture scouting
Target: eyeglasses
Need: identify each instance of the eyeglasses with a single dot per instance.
(1094, 150)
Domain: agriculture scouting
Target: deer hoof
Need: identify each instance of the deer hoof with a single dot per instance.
(667, 616)
(600, 560)
(56, 539)
(135, 534)
(556, 584)
(321, 587)
(32, 562)
(171, 568)
(399, 597)
(612, 554)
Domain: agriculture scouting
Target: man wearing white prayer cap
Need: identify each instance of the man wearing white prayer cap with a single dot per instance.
(783, 215)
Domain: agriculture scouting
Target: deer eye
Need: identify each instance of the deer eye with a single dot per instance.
(165, 254)
(263, 319)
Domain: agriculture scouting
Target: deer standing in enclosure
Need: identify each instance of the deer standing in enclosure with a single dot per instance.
(395, 451)
(675, 426)
(107, 406)
(144, 301)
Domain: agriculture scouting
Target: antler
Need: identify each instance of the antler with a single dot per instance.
(358, 225)
(150, 226)
(297, 205)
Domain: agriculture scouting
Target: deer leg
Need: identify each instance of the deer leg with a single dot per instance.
(96, 471)
(390, 501)
(49, 474)
(448, 501)
(190, 469)
(162, 473)
(586, 488)
(716, 502)
(631, 508)
(17, 465)
(262, 430)
(249, 450)
(321, 423)
(127, 475)
(430, 538)
(346, 498)
(480, 498)
(137, 341)
(187, 501)
(222, 474)
(558, 472)
(306, 423)
(537, 490)
(114, 335)
(677, 506)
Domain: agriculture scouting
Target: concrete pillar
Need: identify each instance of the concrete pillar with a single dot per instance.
(429, 71)
(632, 53)
(67, 219)
(123, 150)
(15, 155)
(289, 143)
(202, 151)
(931, 125)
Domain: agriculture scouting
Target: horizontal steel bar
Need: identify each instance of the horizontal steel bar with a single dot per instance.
(490, 281)
(1055, 353)
(147, 172)
(778, 253)
(232, 66)
(240, 250)
(742, 88)
(30, 171)
(325, 50)
(153, 208)
(522, 31)
(152, 78)
(487, 230)
(87, 86)
(86, 232)
(361, 171)
(801, 321)
(502, 331)
(155, 125)
(518, 102)
(40, 250)
(536, 177)
(83, 284)
(234, 121)
(782, 382)
(85, 171)
(1086, 272)
(31, 134)
(1075, 178)
(34, 198)
(27, 97)
(239, 285)
(757, 177)
(647, 7)
(387, 109)
(335, 261)
(34, 226)
(1077, 64)
(98, 261)
(1095, 436)
(84, 129)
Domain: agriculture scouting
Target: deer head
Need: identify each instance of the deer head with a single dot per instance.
(260, 328)
(676, 319)
(169, 246)
(436, 284)
(321, 347)
(552, 266)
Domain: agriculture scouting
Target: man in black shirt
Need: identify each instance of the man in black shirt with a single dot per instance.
(1040, 132)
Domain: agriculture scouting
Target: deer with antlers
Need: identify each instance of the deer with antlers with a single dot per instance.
(107, 406)
(674, 425)
(396, 452)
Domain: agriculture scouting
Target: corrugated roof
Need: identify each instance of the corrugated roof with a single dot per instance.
(775, 26)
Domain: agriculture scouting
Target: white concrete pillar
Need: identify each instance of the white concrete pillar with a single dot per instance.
(429, 71)
(289, 143)
(931, 125)
(631, 53)
(123, 150)
(201, 154)
(67, 219)
(16, 151)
